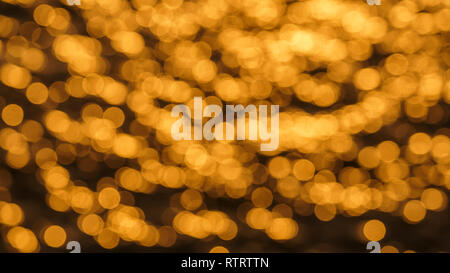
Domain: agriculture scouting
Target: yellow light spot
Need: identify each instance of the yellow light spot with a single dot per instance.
(46, 158)
(367, 79)
(56, 177)
(259, 218)
(196, 156)
(374, 230)
(389, 249)
(396, 64)
(279, 167)
(128, 42)
(32, 130)
(12, 114)
(22, 239)
(125, 146)
(57, 121)
(55, 236)
(325, 212)
(130, 179)
(15, 76)
(109, 198)
(44, 15)
(108, 239)
(282, 229)
(204, 71)
(288, 187)
(115, 115)
(10, 214)
(303, 169)
(388, 151)
(33, 59)
(369, 157)
(262, 197)
(91, 224)
(414, 211)
(219, 249)
(420, 143)
(57, 203)
(81, 199)
(433, 199)
(191, 199)
(167, 236)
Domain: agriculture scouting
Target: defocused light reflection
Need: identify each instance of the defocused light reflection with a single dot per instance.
(85, 118)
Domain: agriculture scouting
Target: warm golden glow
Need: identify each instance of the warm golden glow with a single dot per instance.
(87, 153)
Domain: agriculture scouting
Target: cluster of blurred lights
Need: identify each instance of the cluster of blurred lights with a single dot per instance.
(340, 70)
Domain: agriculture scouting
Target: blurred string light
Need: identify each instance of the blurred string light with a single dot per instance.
(343, 72)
